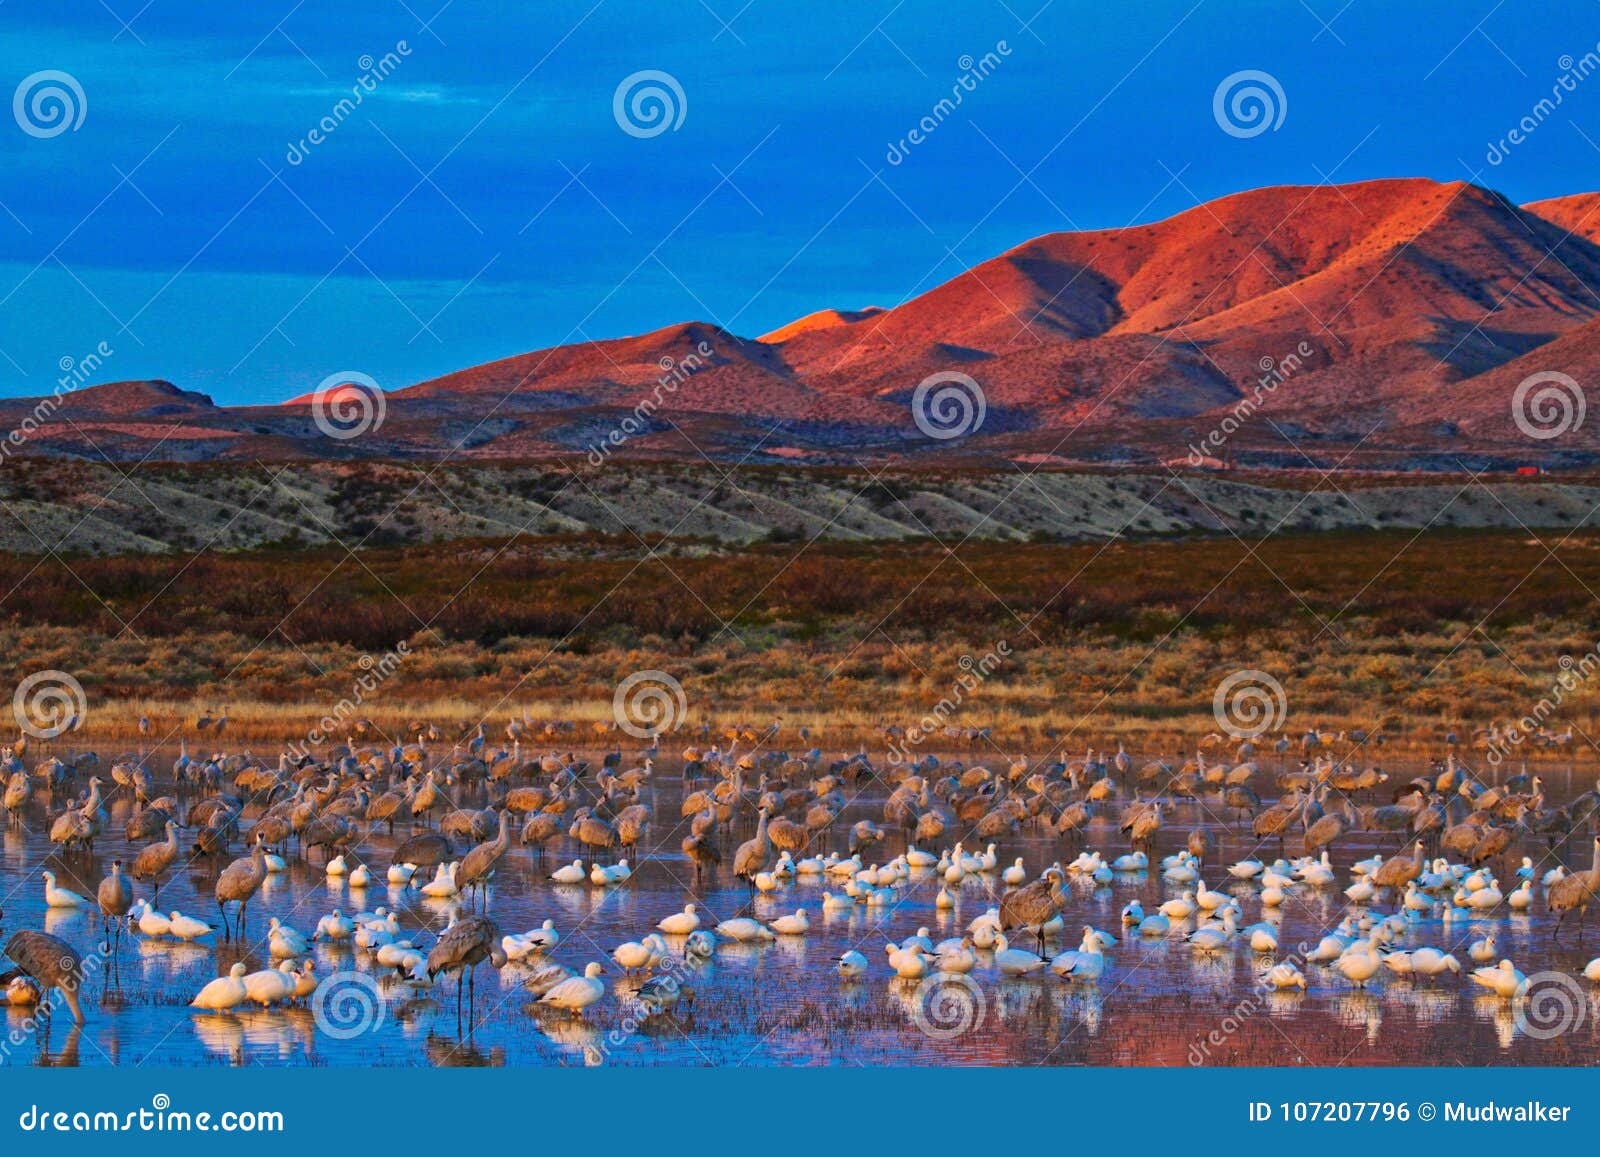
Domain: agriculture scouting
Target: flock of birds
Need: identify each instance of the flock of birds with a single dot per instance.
(1459, 860)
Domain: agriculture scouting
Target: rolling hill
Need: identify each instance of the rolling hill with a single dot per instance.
(1381, 322)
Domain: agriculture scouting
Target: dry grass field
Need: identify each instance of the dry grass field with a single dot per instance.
(1411, 634)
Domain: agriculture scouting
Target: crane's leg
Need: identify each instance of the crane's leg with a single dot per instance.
(222, 910)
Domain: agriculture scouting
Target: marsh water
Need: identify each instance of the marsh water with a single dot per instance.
(1159, 1002)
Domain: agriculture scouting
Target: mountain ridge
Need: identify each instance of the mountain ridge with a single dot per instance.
(1406, 310)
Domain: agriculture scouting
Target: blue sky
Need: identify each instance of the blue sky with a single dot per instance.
(483, 199)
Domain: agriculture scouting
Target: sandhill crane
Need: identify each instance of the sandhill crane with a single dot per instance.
(1494, 842)
(427, 850)
(702, 848)
(588, 828)
(1575, 891)
(387, 806)
(1034, 905)
(425, 798)
(1276, 819)
(541, 828)
(754, 853)
(1325, 832)
(19, 790)
(115, 896)
(1242, 799)
(479, 864)
(633, 822)
(239, 882)
(153, 861)
(863, 835)
(465, 944)
(1398, 871)
(53, 963)
(1146, 825)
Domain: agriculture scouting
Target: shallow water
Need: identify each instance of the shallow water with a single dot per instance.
(781, 1003)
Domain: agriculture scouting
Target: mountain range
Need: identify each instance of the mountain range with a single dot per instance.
(1383, 323)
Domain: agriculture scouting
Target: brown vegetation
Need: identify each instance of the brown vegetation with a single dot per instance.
(1413, 635)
